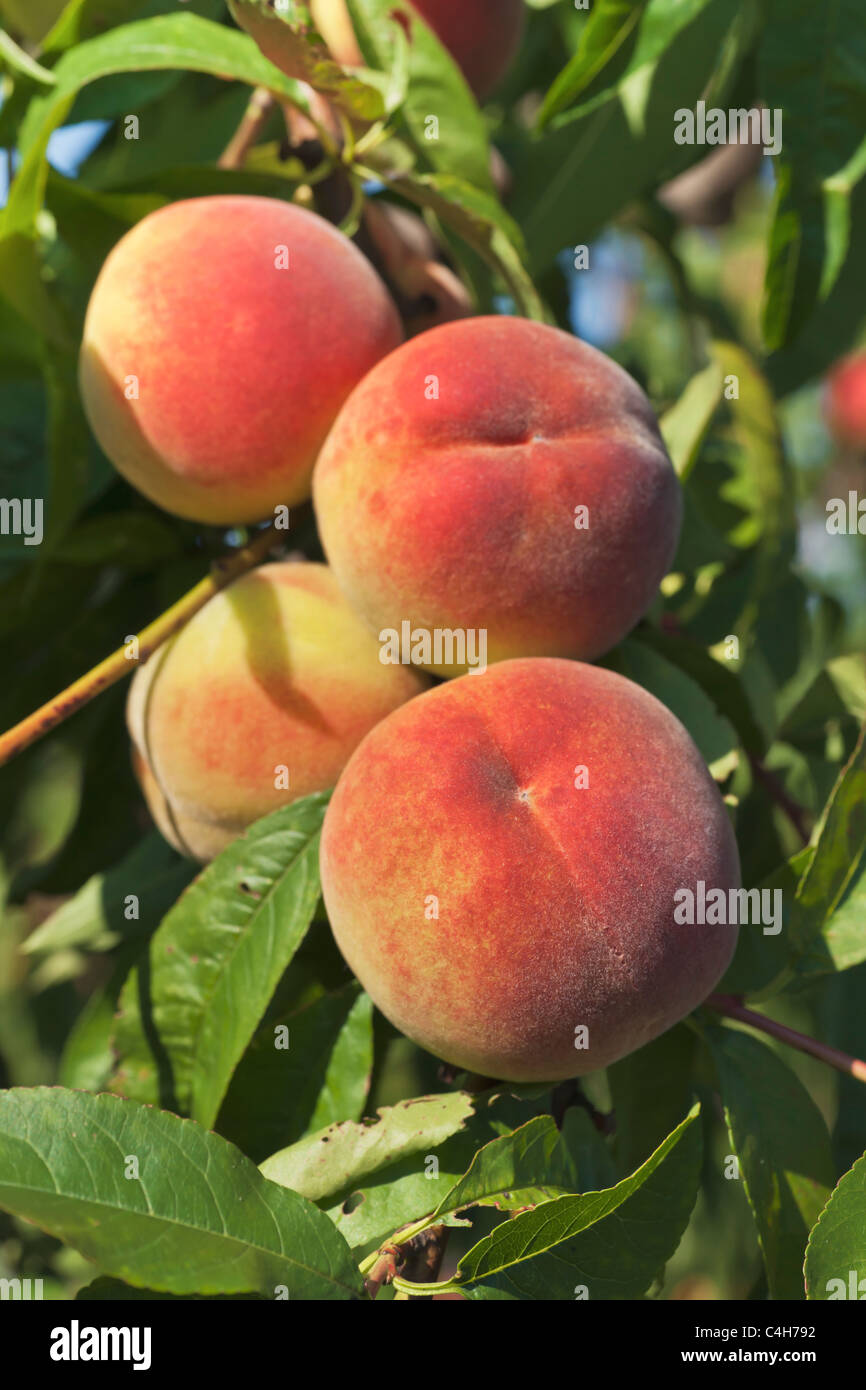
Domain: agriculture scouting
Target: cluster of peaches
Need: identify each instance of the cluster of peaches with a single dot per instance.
(501, 853)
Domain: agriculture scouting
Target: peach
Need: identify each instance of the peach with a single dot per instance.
(846, 401)
(482, 36)
(258, 701)
(222, 336)
(499, 476)
(500, 861)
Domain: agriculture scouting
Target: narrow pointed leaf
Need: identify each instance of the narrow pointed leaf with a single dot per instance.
(188, 1013)
(552, 1224)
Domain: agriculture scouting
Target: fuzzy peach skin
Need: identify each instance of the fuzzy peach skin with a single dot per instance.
(275, 672)
(241, 366)
(459, 512)
(482, 36)
(490, 907)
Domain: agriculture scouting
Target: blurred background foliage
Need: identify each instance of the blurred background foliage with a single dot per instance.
(683, 278)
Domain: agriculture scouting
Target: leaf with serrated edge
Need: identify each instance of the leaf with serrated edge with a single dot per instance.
(215, 961)
(837, 1243)
(548, 1225)
(198, 1218)
(519, 1170)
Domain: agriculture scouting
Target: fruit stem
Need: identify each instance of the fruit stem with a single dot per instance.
(732, 1007)
(252, 124)
(135, 651)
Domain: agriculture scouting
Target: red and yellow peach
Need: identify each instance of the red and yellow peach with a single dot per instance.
(500, 861)
(499, 476)
(258, 701)
(222, 336)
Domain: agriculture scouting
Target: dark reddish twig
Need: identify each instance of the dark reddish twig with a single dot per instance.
(732, 1007)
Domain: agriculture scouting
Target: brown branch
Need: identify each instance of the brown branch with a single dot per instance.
(732, 1007)
(253, 122)
(391, 1258)
(115, 667)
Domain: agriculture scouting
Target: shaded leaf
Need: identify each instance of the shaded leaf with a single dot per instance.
(553, 1224)
(279, 1094)
(783, 1148)
(519, 1170)
(189, 1011)
(711, 731)
(811, 65)
(651, 1090)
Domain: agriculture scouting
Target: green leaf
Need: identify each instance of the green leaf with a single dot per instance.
(651, 1090)
(198, 1218)
(648, 26)
(115, 1291)
(557, 1223)
(836, 323)
(720, 684)
(435, 87)
(16, 60)
(123, 902)
(278, 1094)
(37, 819)
(350, 1067)
(762, 487)
(763, 961)
(836, 1253)
(188, 1013)
(300, 54)
(579, 174)
(171, 42)
(405, 1187)
(588, 1150)
(840, 845)
(324, 1164)
(87, 1060)
(824, 900)
(828, 918)
(783, 1149)
(685, 425)
(811, 64)
(138, 540)
(519, 1170)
